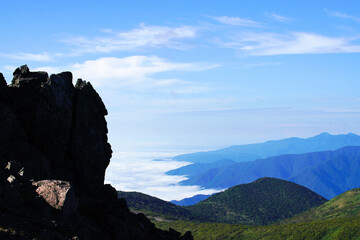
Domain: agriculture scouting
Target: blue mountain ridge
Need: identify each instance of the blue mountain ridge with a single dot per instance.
(190, 201)
(196, 168)
(294, 145)
(328, 173)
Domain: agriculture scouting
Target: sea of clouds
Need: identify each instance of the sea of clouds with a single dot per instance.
(145, 172)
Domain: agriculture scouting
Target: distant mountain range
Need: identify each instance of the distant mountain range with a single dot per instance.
(196, 168)
(263, 201)
(191, 200)
(294, 145)
(328, 173)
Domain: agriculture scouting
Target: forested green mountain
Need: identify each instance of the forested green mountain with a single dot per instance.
(343, 206)
(155, 208)
(263, 201)
(331, 229)
(337, 219)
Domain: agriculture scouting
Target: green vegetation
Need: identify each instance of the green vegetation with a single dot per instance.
(343, 206)
(338, 218)
(264, 201)
(345, 228)
(155, 208)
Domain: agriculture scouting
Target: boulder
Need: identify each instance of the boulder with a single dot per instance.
(58, 194)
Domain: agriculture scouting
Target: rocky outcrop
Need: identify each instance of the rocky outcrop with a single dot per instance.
(58, 194)
(53, 155)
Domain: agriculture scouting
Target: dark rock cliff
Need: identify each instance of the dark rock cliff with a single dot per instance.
(53, 155)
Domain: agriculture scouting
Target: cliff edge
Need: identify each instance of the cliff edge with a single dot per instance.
(53, 155)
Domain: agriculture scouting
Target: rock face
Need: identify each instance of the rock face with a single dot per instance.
(53, 155)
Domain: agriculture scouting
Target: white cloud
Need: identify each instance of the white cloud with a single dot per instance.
(278, 18)
(262, 44)
(135, 171)
(236, 21)
(40, 57)
(143, 36)
(342, 15)
(133, 71)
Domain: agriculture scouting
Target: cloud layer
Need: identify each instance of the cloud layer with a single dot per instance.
(136, 171)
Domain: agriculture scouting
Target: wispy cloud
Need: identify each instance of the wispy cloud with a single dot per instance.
(38, 57)
(236, 21)
(135, 72)
(140, 37)
(278, 18)
(266, 44)
(342, 15)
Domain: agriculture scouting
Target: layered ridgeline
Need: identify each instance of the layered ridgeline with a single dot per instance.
(54, 152)
(250, 152)
(327, 173)
(338, 218)
(264, 201)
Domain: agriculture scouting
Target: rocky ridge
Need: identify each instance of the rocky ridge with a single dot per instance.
(53, 155)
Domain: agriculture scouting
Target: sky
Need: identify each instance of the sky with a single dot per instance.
(185, 76)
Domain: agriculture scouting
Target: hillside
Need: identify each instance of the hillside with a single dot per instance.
(328, 173)
(155, 208)
(250, 152)
(338, 218)
(346, 205)
(263, 201)
(334, 229)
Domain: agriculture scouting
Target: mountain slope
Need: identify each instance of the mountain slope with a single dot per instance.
(346, 205)
(334, 229)
(338, 218)
(263, 201)
(328, 173)
(250, 152)
(153, 207)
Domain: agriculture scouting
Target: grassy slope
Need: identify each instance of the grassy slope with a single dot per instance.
(338, 218)
(342, 206)
(347, 228)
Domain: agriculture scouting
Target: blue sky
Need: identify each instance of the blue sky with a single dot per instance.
(181, 76)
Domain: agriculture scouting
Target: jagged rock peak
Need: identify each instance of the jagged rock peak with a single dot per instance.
(54, 152)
